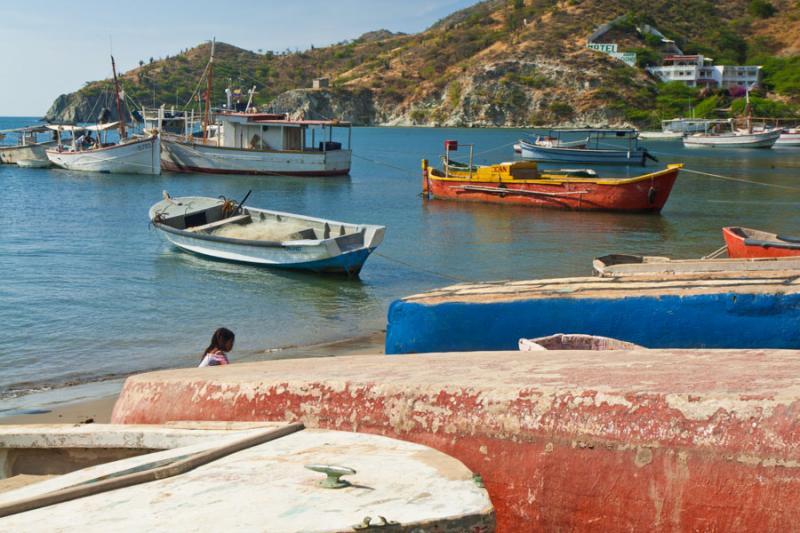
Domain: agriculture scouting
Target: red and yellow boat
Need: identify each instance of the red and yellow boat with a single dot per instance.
(752, 243)
(521, 183)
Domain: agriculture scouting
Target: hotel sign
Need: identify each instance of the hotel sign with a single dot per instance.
(611, 49)
(608, 48)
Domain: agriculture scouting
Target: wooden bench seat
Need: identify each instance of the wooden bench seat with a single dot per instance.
(221, 222)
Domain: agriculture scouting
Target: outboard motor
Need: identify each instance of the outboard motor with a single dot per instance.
(104, 116)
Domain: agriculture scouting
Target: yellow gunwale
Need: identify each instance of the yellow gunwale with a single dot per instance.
(552, 179)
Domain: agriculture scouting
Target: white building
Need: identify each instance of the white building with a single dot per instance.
(699, 71)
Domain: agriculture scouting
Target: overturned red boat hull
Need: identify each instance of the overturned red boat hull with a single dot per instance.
(638, 440)
(746, 243)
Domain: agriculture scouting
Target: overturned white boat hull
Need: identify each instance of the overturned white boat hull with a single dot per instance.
(138, 156)
(268, 478)
(182, 156)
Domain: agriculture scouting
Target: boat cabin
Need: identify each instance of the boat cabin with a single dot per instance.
(595, 137)
(23, 136)
(276, 132)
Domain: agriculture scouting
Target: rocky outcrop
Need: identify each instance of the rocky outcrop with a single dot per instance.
(76, 107)
(356, 106)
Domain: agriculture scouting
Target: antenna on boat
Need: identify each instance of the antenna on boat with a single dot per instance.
(122, 134)
(208, 90)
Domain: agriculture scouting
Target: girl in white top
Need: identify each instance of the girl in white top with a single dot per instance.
(215, 354)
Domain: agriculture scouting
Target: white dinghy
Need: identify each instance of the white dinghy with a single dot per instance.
(224, 229)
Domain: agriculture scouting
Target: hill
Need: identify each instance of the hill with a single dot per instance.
(497, 63)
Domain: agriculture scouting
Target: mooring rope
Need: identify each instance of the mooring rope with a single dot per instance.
(741, 180)
(423, 270)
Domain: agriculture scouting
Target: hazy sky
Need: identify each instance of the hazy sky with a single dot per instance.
(52, 47)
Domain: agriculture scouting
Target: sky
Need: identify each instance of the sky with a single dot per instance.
(53, 47)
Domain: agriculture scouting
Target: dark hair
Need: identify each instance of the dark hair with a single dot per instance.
(219, 340)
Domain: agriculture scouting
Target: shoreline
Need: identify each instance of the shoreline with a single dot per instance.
(93, 401)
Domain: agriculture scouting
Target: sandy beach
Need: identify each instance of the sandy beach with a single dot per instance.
(98, 410)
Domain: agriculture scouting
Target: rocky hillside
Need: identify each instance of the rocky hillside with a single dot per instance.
(497, 63)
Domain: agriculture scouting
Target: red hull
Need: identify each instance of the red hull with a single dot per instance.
(646, 195)
(739, 249)
(647, 440)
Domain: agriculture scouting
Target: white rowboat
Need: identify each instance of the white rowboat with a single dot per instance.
(221, 229)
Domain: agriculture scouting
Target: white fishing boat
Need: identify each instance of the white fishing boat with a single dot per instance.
(660, 135)
(130, 155)
(133, 155)
(245, 142)
(716, 137)
(230, 476)
(225, 229)
(28, 145)
(789, 137)
(596, 151)
(544, 140)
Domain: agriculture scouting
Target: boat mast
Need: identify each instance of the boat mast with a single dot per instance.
(122, 134)
(208, 91)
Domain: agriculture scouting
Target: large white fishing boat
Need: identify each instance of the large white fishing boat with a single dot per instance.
(266, 144)
(28, 146)
(130, 155)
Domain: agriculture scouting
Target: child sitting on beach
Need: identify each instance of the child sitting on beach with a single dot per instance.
(221, 342)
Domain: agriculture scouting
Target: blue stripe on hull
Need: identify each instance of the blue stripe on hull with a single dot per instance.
(349, 263)
(699, 321)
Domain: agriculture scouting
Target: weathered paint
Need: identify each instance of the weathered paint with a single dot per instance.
(751, 310)
(648, 440)
(266, 488)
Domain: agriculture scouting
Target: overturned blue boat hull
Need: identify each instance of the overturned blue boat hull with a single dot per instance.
(730, 313)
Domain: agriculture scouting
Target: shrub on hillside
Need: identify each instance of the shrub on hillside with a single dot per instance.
(761, 8)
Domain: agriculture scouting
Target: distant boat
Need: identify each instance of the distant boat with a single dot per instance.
(134, 155)
(553, 141)
(521, 183)
(751, 243)
(554, 153)
(732, 138)
(28, 145)
(660, 135)
(789, 137)
(224, 229)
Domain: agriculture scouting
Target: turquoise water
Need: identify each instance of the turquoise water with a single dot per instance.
(90, 291)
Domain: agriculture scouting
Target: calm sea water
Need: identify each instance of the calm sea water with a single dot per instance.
(90, 290)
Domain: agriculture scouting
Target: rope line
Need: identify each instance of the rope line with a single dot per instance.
(742, 180)
(383, 163)
(423, 270)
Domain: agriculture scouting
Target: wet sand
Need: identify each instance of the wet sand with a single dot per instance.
(98, 410)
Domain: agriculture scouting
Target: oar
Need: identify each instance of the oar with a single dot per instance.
(648, 155)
